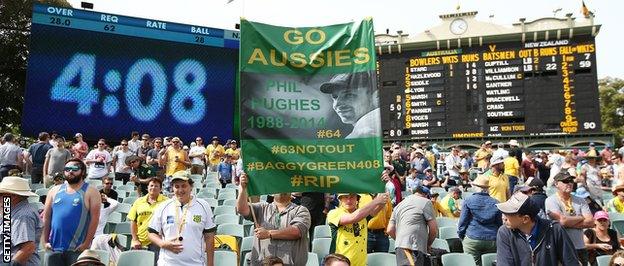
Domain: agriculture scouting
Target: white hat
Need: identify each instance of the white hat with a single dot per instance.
(419, 151)
(16, 185)
(496, 160)
(514, 142)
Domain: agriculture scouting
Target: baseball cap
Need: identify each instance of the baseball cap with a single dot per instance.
(181, 175)
(175, 139)
(488, 143)
(78, 135)
(536, 183)
(581, 192)
(562, 176)
(423, 190)
(601, 215)
(346, 80)
(518, 203)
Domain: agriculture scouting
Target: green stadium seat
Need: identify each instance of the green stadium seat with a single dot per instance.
(136, 257)
(603, 260)
(312, 259)
(458, 259)
(231, 229)
(225, 258)
(227, 219)
(488, 259)
(321, 246)
(322, 231)
(381, 259)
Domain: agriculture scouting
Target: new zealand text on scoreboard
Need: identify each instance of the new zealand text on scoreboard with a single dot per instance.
(106, 75)
(498, 89)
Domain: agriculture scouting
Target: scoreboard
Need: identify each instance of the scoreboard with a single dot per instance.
(105, 75)
(497, 89)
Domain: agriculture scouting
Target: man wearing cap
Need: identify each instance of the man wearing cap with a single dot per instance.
(183, 227)
(479, 221)
(483, 155)
(572, 212)
(498, 181)
(70, 216)
(535, 190)
(214, 152)
(232, 149)
(526, 239)
(349, 225)
(420, 163)
(409, 220)
(514, 146)
(175, 159)
(141, 173)
(356, 101)
(281, 227)
(450, 202)
(80, 149)
(25, 223)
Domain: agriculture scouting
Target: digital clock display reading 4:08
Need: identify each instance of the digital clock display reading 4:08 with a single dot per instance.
(107, 85)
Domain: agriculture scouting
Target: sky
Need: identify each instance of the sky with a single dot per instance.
(410, 16)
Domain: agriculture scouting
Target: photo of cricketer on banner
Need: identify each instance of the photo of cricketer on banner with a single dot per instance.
(309, 108)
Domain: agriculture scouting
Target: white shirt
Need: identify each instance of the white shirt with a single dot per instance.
(369, 125)
(133, 145)
(121, 161)
(98, 169)
(197, 150)
(198, 218)
(104, 213)
(451, 161)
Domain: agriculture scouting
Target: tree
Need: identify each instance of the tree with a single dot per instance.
(611, 94)
(15, 21)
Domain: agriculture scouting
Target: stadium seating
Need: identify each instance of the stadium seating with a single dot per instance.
(441, 244)
(446, 222)
(225, 258)
(488, 259)
(381, 259)
(458, 259)
(312, 259)
(231, 229)
(320, 246)
(603, 260)
(322, 231)
(224, 210)
(227, 219)
(136, 257)
(104, 256)
(246, 246)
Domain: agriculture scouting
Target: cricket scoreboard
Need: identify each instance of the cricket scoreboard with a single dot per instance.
(105, 75)
(498, 89)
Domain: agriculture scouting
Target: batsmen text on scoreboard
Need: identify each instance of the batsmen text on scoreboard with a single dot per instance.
(507, 88)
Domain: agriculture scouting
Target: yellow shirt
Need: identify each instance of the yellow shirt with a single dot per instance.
(439, 211)
(350, 239)
(445, 204)
(232, 152)
(215, 158)
(512, 167)
(482, 156)
(141, 213)
(499, 186)
(172, 165)
(431, 158)
(381, 219)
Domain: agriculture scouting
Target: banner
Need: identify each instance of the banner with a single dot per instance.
(309, 106)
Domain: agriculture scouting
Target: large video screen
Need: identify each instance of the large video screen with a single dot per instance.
(106, 75)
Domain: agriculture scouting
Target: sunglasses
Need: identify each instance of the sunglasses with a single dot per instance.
(618, 264)
(567, 181)
(145, 139)
(175, 141)
(101, 144)
(124, 144)
(108, 183)
(72, 168)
